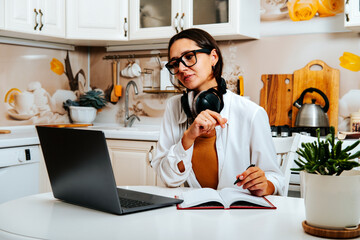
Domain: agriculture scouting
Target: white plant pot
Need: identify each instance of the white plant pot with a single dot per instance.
(82, 114)
(332, 202)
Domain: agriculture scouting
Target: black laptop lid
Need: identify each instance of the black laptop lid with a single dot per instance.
(79, 167)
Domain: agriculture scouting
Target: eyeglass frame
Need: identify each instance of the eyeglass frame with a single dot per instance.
(180, 59)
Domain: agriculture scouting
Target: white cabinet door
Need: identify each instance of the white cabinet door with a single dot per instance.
(225, 19)
(97, 20)
(131, 162)
(2, 14)
(150, 19)
(352, 15)
(44, 17)
(21, 16)
(52, 18)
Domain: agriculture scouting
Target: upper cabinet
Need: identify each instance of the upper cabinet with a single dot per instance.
(151, 20)
(224, 19)
(2, 14)
(44, 17)
(352, 15)
(97, 20)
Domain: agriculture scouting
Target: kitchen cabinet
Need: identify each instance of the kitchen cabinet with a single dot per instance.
(44, 181)
(131, 162)
(97, 20)
(2, 14)
(352, 15)
(42, 17)
(224, 19)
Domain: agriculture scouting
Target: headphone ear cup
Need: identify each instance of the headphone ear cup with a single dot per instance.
(209, 99)
(185, 105)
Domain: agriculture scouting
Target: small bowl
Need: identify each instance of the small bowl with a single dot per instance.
(82, 114)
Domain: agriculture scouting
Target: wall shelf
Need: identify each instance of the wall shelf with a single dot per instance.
(161, 91)
(128, 56)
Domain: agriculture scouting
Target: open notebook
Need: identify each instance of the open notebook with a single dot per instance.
(226, 198)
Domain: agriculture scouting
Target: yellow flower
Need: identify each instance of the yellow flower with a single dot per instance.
(300, 10)
(350, 61)
(329, 8)
(56, 66)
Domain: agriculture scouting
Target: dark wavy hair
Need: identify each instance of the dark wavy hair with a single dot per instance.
(204, 40)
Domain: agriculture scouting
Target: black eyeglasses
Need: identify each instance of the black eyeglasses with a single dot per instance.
(188, 59)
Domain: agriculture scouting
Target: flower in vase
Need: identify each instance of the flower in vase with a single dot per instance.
(57, 67)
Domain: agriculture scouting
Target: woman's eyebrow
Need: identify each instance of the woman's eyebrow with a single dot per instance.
(182, 54)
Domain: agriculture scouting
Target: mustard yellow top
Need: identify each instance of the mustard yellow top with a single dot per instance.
(205, 161)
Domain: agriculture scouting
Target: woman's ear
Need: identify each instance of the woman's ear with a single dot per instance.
(214, 57)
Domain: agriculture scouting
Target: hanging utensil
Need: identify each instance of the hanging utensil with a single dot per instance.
(117, 86)
(113, 97)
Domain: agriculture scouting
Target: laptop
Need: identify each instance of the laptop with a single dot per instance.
(80, 173)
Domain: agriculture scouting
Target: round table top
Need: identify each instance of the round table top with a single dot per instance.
(42, 216)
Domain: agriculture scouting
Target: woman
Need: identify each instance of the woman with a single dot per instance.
(211, 142)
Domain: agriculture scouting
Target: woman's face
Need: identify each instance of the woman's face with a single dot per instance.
(200, 76)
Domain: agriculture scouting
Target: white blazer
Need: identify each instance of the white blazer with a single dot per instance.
(245, 140)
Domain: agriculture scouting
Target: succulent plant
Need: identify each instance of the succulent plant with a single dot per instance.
(326, 157)
(91, 98)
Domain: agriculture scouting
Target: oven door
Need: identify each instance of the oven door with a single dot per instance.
(19, 181)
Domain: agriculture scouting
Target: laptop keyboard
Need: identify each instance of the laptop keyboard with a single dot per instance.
(131, 203)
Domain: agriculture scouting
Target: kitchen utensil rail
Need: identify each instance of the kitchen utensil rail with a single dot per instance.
(128, 56)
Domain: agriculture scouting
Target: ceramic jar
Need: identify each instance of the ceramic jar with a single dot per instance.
(355, 122)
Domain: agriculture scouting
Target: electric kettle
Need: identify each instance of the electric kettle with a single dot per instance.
(311, 115)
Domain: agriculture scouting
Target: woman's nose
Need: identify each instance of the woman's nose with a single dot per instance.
(182, 67)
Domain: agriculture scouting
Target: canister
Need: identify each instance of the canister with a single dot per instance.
(355, 122)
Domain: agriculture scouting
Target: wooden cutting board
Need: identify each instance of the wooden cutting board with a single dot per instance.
(276, 98)
(326, 80)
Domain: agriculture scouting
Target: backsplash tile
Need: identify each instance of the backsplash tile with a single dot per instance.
(28, 68)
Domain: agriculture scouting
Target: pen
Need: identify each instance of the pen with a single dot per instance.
(238, 180)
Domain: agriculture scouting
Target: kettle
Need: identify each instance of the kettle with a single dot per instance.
(311, 115)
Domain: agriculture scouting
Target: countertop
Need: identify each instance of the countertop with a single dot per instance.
(44, 217)
(26, 135)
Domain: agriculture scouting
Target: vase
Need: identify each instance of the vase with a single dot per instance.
(84, 115)
(332, 202)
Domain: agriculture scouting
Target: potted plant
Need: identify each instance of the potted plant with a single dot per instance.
(85, 108)
(332, 188)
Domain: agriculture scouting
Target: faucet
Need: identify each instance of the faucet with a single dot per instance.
(129, 120)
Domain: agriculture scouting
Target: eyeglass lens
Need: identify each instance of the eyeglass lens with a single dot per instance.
(188, 59)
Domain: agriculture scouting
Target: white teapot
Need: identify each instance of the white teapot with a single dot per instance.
(58, 98)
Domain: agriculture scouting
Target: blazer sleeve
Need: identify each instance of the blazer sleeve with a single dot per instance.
(170, 150)
(263, 152)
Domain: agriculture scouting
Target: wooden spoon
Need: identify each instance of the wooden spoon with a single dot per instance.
(113, 97)
(3, 131)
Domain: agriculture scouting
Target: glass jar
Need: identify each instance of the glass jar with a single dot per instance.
(355, 122)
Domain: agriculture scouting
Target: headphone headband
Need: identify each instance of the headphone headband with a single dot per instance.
(211, 99)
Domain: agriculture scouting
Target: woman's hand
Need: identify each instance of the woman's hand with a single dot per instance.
(204, 123)
(255, 181)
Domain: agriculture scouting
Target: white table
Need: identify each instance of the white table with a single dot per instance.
(44, 217)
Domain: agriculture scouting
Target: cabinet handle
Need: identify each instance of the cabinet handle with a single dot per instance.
(125, 27)
(176, 22)
(182, 22)
(347, 11)
(41, 23)
(150, 154)
(35, 18)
